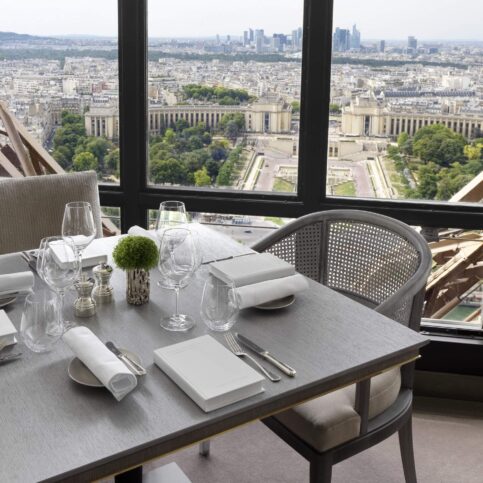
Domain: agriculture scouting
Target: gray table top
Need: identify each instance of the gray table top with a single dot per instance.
(53, 428)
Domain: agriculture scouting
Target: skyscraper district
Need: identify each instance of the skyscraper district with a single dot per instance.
(380, 88)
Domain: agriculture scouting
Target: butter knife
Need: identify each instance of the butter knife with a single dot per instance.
(285, 368)
(132, 365)
(10, 357)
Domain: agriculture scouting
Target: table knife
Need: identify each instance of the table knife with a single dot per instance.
(132, 365)
(10, 357)
(286, 369)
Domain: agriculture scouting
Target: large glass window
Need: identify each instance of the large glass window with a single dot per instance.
(59, 80)
(224, 94)
(406, 101)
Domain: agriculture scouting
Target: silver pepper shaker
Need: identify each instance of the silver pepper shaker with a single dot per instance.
(103, 291)
(85, 305)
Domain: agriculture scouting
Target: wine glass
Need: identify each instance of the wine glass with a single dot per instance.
(39, 324)
(40, 259)
(78, 223)
(171, 214)
(60, 269)
(219, 304)
(178, 260)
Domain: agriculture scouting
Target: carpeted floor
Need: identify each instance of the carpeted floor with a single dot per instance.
(448, 439)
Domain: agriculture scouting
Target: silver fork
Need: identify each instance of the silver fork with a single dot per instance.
(238, 351)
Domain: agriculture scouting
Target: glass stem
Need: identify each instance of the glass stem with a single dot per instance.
(81, 274)
(60, 317)
(176, 291)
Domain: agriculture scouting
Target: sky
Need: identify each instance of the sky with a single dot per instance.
(376, 19)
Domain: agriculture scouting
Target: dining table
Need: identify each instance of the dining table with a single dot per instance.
(54, 429)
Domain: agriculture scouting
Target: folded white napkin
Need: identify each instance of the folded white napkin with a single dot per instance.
(94, 254)
(16, 282)
(139, 231)
(101, 361)
(262, 292)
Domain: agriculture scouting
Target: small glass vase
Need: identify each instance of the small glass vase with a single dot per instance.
(137, 289)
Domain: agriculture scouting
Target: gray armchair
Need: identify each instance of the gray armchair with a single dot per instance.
(383, 264)
(33, 207)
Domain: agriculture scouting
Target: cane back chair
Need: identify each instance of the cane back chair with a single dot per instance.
(383, 264)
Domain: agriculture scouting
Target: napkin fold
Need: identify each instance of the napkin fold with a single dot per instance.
(16, 282)
(139, 231)
(262, 292)
(101, 361)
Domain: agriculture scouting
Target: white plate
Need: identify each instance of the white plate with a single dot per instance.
(277, 304)
(81, 374)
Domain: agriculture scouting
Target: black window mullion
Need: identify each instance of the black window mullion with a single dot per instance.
(132, 108)
(315, 96)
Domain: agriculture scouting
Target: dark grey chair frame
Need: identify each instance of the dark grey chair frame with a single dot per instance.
(404, 305)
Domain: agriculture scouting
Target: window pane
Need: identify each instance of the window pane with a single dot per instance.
(224, 94)
(455, 291)
(111, 217)
(59, 79)
(242, 228)
(406, 107)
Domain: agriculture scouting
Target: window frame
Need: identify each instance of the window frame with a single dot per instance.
(135, 196)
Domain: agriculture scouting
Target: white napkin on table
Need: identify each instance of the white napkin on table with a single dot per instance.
(262, 292)
(101, 361)
(16, 282)
(139, 231)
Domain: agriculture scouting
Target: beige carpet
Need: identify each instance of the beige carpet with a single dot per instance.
(448, 439)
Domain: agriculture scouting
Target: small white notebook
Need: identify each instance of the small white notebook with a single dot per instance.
(250, 269)
(7, 330)
(208, 372)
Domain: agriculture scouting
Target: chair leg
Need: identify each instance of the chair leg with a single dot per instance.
(204, 448)
(321, 469)
(407, 452)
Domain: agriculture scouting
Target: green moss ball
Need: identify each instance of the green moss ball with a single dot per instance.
(135, 252)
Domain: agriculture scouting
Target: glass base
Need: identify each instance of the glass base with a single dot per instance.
(58, 330)
(178, 323)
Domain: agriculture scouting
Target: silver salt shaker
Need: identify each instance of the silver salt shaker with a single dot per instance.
(85, 305)
(103, 290)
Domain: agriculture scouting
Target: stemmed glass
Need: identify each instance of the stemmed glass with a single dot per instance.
(78, 223)
(171, 214)
(59, 269)
(178, 260)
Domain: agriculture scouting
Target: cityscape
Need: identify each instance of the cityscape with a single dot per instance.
(224, 110)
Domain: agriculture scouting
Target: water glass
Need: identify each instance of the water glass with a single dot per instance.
(39, 328)
(219, 304)
(59, 268)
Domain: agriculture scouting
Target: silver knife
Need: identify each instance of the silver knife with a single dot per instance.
(285, 368)
(132, 365)
(10, 357)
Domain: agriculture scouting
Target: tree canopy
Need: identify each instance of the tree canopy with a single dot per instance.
(71, 144)
(438, 144)
(222, 95)
(186, 155)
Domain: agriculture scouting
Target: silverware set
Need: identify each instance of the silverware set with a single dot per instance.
(238, 351)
